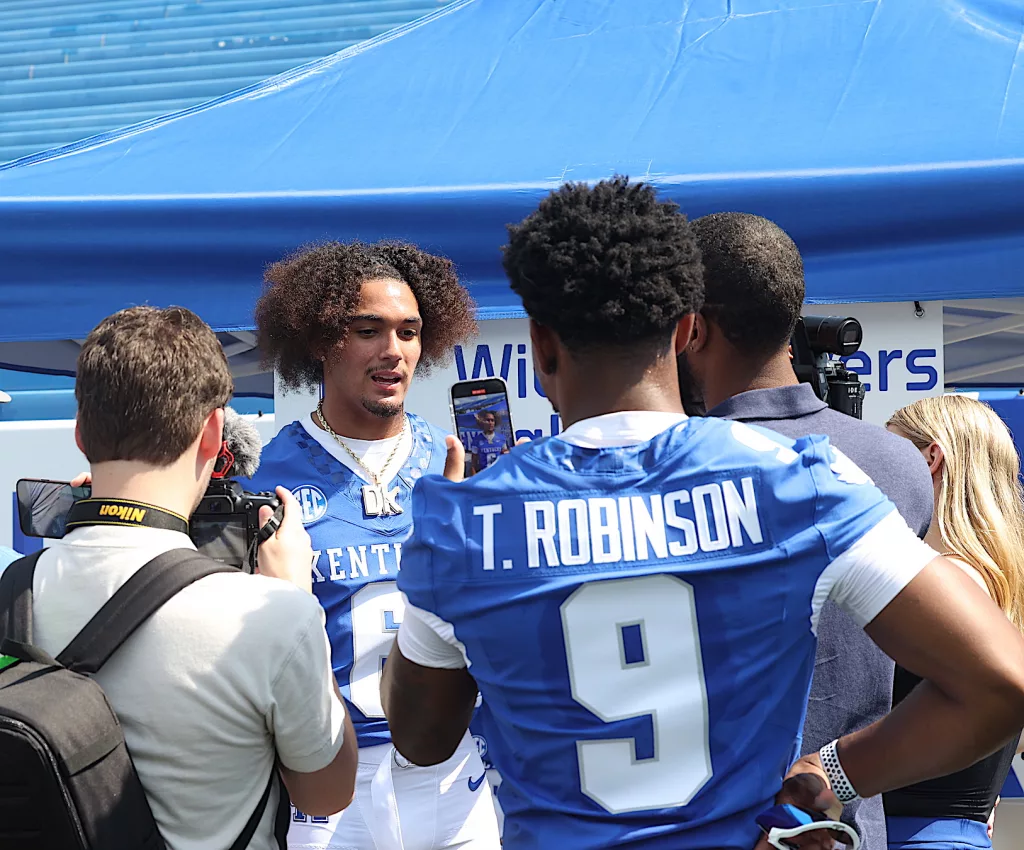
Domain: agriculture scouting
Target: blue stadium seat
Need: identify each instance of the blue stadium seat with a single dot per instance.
(70, 69)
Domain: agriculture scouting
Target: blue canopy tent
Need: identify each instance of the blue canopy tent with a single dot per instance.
(887, 138)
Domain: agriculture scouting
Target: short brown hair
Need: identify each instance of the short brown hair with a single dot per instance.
(147, 378)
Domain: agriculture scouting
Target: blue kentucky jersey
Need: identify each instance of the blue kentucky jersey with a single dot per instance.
(488, 450)
(639, 622)
(357, 557)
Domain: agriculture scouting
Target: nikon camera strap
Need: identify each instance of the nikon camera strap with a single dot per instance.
(129, 513)
(123, 512)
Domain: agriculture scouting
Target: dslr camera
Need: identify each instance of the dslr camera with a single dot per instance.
(224, 527)
(818, 342)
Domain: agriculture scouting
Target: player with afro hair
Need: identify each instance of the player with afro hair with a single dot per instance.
(363, 319)
(605, 266)
(606, 273)
(312, 295)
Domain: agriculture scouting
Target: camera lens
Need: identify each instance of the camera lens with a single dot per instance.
(833, 334)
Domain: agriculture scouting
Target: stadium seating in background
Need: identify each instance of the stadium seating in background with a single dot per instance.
(70, 69)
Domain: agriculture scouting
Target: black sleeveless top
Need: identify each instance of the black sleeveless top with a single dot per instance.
(968, 794)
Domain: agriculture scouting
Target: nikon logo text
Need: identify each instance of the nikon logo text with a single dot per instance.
(125, 513)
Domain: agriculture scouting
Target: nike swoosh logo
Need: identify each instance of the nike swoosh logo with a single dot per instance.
(474, 784)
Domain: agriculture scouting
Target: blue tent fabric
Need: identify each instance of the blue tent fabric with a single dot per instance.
(888, 138)
(1009, 405)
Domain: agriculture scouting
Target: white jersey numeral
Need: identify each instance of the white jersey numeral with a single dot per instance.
(377, 611)
(633, 649)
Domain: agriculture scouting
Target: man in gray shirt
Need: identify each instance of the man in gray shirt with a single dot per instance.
(738, 366)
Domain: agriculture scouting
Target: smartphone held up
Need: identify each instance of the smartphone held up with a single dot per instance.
(482, 421)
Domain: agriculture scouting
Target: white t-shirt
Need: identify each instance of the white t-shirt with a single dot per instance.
(861, 581)
(232, 668)
(373, 453)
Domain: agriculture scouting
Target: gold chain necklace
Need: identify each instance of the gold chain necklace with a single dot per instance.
(374, 477)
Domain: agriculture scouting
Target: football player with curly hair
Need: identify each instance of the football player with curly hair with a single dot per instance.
(361, 320)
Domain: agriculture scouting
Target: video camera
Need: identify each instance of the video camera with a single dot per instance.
(224, 527)
(818, 342)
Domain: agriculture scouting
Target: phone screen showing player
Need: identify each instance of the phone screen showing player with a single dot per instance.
(43, 506)
(482, 421)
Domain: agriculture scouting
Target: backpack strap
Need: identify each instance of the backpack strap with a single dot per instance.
(249, 830)
(16, 599)
(134, 603)
(282, 818)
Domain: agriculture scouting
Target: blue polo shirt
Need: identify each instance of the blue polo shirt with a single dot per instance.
(852, 684)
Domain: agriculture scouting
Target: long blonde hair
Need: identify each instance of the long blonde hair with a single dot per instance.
(979, 508)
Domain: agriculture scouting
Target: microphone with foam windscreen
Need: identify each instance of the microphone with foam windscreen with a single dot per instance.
(245, 445)
(241, 449)
(229, 514)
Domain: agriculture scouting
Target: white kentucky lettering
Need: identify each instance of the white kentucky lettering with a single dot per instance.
(360, 562)
(379, 549)
(337, 568)
(357, 561)
(317, 575)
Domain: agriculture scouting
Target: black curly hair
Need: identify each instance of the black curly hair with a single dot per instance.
(753, 279)
(311, 296)
(608, 265)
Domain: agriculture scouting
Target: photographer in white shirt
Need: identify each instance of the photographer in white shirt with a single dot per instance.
(232, 675)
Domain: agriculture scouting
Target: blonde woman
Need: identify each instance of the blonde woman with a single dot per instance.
(978, 522)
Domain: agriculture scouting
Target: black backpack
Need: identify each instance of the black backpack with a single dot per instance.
(67, 781)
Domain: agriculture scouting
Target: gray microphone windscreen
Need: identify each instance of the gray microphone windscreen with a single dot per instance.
(244, 443)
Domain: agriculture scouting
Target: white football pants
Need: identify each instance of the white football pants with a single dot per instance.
(399, 806)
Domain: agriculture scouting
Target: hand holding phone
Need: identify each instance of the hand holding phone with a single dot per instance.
(482, 421)
(43, 505)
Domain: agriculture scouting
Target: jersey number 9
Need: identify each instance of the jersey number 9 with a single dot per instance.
(633, 650)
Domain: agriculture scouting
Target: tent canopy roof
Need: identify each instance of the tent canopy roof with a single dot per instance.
(888, 139)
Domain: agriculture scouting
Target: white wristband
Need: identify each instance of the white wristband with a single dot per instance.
(840, 782)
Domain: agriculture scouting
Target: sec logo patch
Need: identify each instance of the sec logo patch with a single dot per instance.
(481, 749)
(312, 501)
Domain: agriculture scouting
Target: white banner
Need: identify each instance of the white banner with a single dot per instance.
(899, 360)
